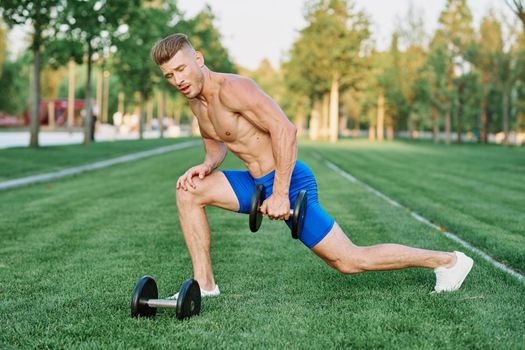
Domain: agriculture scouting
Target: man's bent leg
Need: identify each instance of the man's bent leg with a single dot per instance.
(338, 251)
(213, 190)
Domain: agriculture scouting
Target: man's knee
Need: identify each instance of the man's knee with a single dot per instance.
(192, 196)
(353, 264)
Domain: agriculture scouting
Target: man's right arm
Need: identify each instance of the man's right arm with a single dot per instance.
(215, 153)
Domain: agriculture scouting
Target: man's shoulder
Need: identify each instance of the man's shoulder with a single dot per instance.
(235, 87)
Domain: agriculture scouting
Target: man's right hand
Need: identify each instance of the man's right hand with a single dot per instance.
(186, 180)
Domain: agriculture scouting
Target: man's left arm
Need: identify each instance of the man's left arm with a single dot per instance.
(246, 98)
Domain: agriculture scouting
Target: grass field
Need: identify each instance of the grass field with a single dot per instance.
(477, 192)
(72, 251)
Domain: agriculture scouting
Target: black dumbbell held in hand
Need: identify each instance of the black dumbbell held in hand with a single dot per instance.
(144, 302)
(298, 213)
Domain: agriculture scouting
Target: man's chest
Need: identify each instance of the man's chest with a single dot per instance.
(219, 123)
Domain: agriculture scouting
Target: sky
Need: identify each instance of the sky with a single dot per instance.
(256, 29)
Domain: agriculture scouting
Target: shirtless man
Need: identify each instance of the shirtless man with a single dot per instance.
(235, 114)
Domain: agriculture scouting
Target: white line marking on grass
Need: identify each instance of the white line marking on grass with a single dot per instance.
(93, 166)
(425, 221)
(341, 172)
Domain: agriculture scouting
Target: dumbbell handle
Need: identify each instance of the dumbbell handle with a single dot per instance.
(161, 303)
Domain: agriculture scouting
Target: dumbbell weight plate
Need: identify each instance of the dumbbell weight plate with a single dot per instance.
(299, 214)
(145, 289)
(255, 204)
(189, 300)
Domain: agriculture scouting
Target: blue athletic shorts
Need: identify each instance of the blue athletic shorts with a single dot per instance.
(317, 222)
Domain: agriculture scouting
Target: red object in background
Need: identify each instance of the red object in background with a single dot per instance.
(60, 112)
(8, 121)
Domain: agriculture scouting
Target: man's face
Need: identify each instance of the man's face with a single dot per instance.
(183, 71)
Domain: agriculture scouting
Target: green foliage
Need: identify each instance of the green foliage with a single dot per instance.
(91, 21)
(3, 45)
(40, 14)
(132, 62)
(15, 85)
(58, 52)
(205, 37)
(462, 72)
(455, 26)
(269, 79)
(331, 45)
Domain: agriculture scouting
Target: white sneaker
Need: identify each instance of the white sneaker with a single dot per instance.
(204, 293)
(450, 279)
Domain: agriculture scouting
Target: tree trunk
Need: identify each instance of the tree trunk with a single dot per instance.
(35, 92)
(99, 92)
(459, 113)
(343, 121)
(447, 128)
(435, 124)
(505, 115)
(357, 126)
(334, 109)
(149, 113)
(390, 130)
(160, 113)
(176, 116)
(120, 107)
(380, 116)
(314, 121)
(371, 133)
(325, 115)
(299, 123)
(71, 95)
(88, 118)
(411, 128)
(142, 111)
(483, 135)
(51, 114)
(105, 100)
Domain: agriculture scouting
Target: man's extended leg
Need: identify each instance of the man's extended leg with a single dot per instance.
(213, 190)
(338, 251)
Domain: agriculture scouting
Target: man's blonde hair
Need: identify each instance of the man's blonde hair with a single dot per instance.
(166, 48)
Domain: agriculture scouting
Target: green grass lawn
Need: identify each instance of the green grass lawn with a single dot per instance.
(72, 251)
(22, 161)
(477, 192)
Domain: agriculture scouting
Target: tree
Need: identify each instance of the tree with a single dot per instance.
(500, 64)
(518, 7)
(408, 59)
(393, 81)
(437, 68)
(454, 35)
(41, 16)
(510, 65)
(90, 22)
(132, 62)
(205, 37)
(328, 53)
(483, 54)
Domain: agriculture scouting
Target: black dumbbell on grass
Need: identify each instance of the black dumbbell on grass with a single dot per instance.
(144, 302)
(298, 213)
